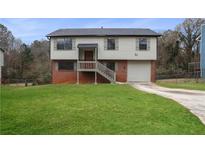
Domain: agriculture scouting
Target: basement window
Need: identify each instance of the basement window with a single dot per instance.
(65, 65)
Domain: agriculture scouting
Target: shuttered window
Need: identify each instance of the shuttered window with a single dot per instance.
(143, 44)
(111, 44)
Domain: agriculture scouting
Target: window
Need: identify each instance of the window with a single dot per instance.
(60, 44)
(111, 44)
(111, 65)
(65, 65)
(68, 44)
(143, 44)
(64, 44)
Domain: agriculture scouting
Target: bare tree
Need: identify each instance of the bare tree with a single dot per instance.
(24, 61)
(189, 31)
(170, 55)
(41, 63)
(6, 38)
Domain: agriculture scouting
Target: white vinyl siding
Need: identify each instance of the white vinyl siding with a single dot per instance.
(125, 49)
(106, 43)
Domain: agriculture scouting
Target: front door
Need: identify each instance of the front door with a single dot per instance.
(88, 55)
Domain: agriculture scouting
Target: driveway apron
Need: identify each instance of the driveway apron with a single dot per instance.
(194, 100)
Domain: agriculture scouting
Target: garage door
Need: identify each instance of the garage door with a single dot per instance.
(139, 71)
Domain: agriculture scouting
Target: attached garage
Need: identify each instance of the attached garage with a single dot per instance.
(139, 71)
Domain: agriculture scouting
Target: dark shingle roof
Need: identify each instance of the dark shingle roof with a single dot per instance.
(104, 32)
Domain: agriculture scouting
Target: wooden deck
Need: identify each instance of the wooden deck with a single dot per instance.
(97, 67)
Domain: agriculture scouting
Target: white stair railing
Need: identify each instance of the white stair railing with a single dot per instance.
(106, 72)
(97, 66)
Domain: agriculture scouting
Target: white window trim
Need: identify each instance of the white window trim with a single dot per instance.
(72, 41)
(116, 43)
(138, 44)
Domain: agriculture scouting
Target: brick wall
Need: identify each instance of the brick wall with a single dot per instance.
(62, 76)
(101, 79)
(87, 77)
(121, 71)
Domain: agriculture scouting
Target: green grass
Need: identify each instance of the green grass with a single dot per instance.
(183, 85)
(92, 109)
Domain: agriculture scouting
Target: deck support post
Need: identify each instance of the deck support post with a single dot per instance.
(95, 77)
(77, 73)
(77, 77)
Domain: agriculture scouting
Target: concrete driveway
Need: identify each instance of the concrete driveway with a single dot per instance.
(194, 100)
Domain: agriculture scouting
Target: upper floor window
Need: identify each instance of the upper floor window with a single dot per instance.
(111, 44)
(64, 44)
(143, 44)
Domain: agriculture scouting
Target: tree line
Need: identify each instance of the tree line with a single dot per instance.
(176, 48)
(22, 61)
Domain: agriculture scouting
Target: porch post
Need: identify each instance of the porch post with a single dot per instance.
(95, 77)
(96, 65)
(96, 53)
(78, 66)
(77, 77)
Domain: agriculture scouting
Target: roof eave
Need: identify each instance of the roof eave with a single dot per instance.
(158, 35)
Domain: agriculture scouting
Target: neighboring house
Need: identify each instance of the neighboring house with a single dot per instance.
(1, 60)
(202, 51)
(103, 55)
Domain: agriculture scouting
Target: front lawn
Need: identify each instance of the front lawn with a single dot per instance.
(183, 85)
(92, 109)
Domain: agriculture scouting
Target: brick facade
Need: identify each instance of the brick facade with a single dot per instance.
(101, 79)
(71, 76)
(121, 71)
(86, 77)
(62, 76)
(89, 77)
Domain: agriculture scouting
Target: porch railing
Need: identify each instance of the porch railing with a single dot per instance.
(86, 65)
(98, 67)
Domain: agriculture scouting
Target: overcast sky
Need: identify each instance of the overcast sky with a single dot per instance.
(32, 29)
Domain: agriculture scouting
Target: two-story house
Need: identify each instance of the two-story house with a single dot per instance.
(103, 55)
